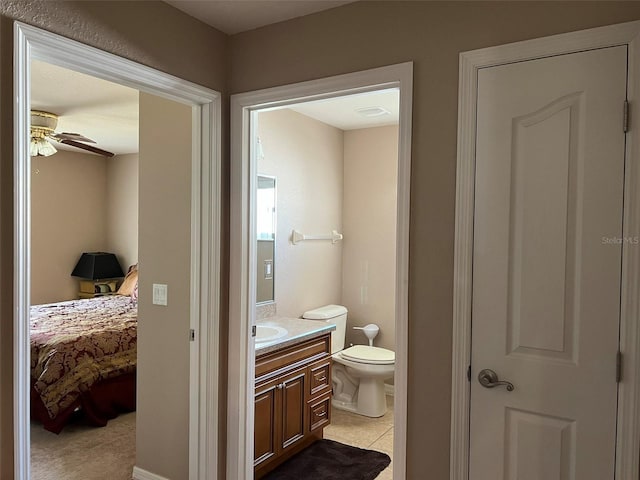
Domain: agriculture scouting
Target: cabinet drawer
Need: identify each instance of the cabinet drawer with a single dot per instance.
(271, 364)
(320, 412)
(320, 377)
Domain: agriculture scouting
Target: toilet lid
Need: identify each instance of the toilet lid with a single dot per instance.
(367, 354)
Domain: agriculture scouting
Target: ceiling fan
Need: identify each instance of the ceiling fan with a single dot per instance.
(43, 125)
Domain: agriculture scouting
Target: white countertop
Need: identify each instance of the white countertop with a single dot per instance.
(298, 330)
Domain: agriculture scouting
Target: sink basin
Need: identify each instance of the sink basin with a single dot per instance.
(267, 333)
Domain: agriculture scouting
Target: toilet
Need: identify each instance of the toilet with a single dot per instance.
(358, 372)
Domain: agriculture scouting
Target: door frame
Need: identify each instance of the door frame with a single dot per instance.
(240, 399)
(628, 436)
(34, 43)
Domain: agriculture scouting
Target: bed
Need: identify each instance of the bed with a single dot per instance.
(83, 359)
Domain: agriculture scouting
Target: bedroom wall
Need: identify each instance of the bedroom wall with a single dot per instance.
(79, 203)
(364, 35)
(305, 156)
(162, 434)
(369, 219)
(122, 208)
(68, 212)
(150, 32)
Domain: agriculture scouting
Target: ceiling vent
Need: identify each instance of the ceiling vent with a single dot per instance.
(372, 111)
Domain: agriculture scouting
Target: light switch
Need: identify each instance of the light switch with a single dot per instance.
(159, 294)
(268, 269)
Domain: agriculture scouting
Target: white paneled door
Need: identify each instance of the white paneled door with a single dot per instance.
(546, 267)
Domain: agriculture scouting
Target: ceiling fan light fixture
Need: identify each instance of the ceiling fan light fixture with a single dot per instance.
(39, 147)
(43, 124)
(44, 120)
(39, 132)
(42, 128)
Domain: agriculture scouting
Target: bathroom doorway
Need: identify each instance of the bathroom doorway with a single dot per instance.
(344, 151)
(317, 169)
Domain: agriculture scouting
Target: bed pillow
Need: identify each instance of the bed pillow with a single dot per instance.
(130, 281)
(134, 294)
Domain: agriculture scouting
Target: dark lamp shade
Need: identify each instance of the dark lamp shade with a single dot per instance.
(97, 266)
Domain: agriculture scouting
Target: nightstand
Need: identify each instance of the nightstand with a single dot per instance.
(97, 288)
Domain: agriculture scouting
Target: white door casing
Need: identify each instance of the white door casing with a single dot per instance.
(546, 266)
(244, 106)
(33, 43)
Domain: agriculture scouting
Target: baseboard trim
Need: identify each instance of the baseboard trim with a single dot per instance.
(389, 389)
(141, 474)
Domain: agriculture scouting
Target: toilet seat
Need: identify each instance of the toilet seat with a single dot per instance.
(369, 355)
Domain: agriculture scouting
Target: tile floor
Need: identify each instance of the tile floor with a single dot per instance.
(364, 432)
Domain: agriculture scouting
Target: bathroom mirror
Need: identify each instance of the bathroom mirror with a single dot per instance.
(266, 237)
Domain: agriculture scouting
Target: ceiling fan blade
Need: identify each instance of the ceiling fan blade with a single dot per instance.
(89, 148)
(71, 136)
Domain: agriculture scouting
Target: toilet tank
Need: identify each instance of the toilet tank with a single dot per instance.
(336, 314)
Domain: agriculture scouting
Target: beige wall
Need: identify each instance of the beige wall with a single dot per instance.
(152, 33)
(68, 217)
(363, 35)
(329, 179)
(264, 284)
(79, 203)
(162, 422)
(350, 38)
(369, 223)
(321, 187)
(305, 156)
(122, 208)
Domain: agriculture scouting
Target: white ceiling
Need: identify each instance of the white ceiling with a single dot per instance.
(234, 16)
(341, 112)
(103, 111)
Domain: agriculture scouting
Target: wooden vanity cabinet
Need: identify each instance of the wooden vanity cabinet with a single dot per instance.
(292, 401)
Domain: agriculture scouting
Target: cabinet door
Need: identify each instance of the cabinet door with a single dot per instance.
(292, 391)
(266, 420)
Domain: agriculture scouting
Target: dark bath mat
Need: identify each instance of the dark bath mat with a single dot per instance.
(329, 460)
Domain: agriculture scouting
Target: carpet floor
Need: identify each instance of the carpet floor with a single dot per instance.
(329, 460)
(82, 452)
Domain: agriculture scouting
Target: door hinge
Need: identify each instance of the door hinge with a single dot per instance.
(254, 331)
(625, 117)
(192, 335)
(619, 367)
(469, 373)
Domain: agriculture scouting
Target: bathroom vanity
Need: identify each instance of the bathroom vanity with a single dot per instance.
(292, 390)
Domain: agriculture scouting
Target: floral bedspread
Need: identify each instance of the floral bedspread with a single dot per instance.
(77, 343)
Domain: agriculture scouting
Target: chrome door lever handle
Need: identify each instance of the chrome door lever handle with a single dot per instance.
(489, 379)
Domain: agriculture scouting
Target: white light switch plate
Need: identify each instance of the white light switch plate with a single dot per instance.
(159, 294)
